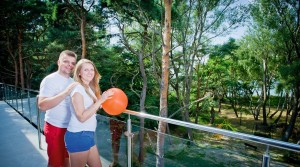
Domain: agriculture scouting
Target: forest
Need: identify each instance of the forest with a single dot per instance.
(162, 54)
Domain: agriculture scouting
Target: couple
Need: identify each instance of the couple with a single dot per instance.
(70, 120)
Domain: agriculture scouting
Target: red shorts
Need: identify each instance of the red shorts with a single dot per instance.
(56, 149)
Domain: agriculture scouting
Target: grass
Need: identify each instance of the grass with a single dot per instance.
(245, 123)
(216, 149)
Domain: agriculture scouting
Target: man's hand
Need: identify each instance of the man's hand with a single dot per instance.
(69, 89)
(46, 103)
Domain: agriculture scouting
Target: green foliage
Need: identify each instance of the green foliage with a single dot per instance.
(227, 125)
(204, 119)
(287, 70)
(146, 8)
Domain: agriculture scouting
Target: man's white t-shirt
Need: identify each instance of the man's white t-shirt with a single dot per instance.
(52, 85)
(90, 124)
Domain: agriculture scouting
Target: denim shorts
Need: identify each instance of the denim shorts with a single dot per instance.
(79, 141)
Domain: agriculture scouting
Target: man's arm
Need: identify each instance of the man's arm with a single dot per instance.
(46, 103)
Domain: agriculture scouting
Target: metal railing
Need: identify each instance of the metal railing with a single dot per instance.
(242, 136)
(15, 97)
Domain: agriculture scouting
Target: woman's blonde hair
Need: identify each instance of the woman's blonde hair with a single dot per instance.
(94, 84)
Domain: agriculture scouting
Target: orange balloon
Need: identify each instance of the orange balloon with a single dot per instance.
(117, 104)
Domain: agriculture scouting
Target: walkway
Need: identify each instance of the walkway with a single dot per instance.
(19, 141)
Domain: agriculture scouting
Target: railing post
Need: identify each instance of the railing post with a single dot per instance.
(38, 122)
(16, 98)
(129, 140)
(29, 107)
(21, 98)
(2, 92)
(12, 96)
(7, 94)
(266, 158)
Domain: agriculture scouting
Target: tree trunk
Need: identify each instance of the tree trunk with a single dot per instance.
(164, 83)
(85, 7)
(264, 91)
(198, 94)
(10, 51)
(142, 106)
(20, 54)
(232, 103)
(288, 132)
(141, 55)
(28, 72)
(219, 105)
(256, 110)
(279, 116)
(82, 32)
(277, 109)
(212, 115)
(289, 108)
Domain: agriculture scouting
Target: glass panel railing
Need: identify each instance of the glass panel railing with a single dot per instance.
(15, 96)
(209, 151)
(23, 103)
(15, 100)
(213, 147)
(32, 103)
(10, 99)
(10, 95)
(210, 147)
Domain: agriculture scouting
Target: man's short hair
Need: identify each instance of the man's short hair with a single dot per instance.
(69, 53)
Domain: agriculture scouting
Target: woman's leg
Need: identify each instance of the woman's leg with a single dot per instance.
(79, 159)
(94, 157)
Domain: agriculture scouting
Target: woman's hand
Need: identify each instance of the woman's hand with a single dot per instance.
(105, 96)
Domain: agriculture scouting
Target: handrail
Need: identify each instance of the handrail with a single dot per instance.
(32, 90)
(238, 135)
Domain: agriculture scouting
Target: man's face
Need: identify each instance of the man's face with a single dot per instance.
(66, 65)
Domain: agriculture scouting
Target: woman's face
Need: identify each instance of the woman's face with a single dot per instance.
(87, 73)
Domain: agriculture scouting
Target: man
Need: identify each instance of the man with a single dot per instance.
(54, 99)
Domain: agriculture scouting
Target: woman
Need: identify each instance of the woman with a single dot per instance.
(86, 100)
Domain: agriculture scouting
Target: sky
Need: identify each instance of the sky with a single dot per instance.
(236, 34)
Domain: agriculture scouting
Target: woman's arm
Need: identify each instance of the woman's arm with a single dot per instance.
(84, 114)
